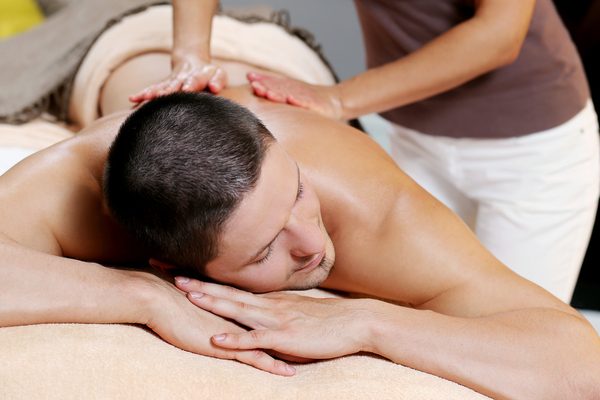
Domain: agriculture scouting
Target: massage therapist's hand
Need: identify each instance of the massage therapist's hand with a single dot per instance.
(190, 74)
(177, 321)
(287, 323)
(324, 100)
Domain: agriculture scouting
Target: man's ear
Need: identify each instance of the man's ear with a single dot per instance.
(161, 266)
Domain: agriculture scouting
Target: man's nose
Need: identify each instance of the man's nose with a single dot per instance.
(306, 236)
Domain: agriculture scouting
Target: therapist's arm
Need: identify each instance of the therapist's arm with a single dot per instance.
(492, 38)
(192, 69)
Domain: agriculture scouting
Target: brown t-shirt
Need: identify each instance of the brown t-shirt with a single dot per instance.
(543, 88)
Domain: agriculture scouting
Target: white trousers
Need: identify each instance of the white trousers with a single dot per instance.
(530, 200)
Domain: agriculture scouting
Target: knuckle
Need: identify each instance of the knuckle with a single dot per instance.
(256, 335)
(257, 354)
(207, 300)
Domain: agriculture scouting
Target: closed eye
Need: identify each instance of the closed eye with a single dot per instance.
(300, 191)
(266, 257)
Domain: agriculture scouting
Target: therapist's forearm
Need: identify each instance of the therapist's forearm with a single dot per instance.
(463, 53)
(39, 288)
(523, 354)
(192, 24)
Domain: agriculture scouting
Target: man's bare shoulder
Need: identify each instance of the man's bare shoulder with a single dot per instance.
(52, 200)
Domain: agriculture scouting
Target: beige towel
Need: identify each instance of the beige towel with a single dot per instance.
(263, 44)
(72, 361)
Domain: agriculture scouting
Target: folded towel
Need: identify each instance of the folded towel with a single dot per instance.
(264, 44)
(77, 361)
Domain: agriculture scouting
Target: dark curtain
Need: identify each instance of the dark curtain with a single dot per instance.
(582, 18)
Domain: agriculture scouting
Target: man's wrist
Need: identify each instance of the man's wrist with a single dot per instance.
(139, 292)
(369, 323)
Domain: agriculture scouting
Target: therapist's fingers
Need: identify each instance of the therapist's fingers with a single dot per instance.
(262, 86)
(162, 88)
(146, 94)
(218, 81)
(276, 95)
(256, 76)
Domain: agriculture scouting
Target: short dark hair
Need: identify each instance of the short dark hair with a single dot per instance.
(178, 168)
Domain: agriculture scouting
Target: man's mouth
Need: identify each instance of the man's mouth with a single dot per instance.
(313, 263)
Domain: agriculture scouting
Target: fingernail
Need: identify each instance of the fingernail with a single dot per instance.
(291, 370)
(219, 338)
(182, 279)
(196, 295)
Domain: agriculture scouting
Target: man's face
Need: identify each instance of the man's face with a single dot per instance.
(275, 239)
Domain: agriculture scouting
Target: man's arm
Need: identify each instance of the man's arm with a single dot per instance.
(534, 351)
(471, 319)
(50, 211)
(474, 321)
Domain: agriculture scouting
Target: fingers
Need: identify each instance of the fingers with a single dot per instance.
(262, 86)
(195, 81)
(261, 90)
(292, 100)
(144, 95)
(276, 96)
(217, 290)
(279, 90)
(218, 81)
(160, 89)
(256, 339)
(255, 358)
(263, 361)
(258, 88)
(256, 76)
(248, 315)
(187, 79)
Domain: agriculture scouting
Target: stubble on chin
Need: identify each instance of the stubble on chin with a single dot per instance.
(316, 277)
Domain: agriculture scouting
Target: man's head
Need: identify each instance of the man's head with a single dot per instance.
(202, 184)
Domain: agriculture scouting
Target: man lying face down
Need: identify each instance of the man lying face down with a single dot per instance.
(206, 187)
(209, 191)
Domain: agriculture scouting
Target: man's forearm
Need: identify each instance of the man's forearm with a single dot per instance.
(531, 353)
(40, 288)
(37, 288)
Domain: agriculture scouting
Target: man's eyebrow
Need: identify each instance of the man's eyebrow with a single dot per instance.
(262, 249)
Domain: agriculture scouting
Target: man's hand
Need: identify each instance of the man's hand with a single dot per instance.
(287, 323)
(189, 75)
(186, 326)
(321, 99)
